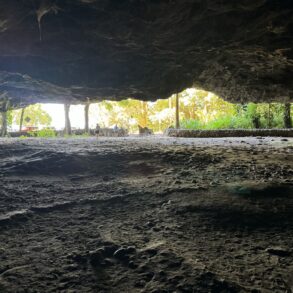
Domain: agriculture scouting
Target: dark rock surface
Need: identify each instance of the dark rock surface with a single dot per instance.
(56, 50)
(229, 133)
(176, 215)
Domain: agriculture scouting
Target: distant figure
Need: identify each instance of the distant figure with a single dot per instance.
(98, 130)
(144, 130)
(111, 132)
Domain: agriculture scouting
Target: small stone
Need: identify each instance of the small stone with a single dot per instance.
(139, 284)
(109, 262)
(97, 257)
(146, 239)
(147, 276)
(132, 265)
(279, 251)
(151, 251)
(175, 279)
(71, 267)
(81, 259)
(110, 249)
(150, 224)
(137, 227)
(143, 268)
(121, 254)
(131, 249)
(174, 263)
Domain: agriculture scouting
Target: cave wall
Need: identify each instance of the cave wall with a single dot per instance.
(68, 50)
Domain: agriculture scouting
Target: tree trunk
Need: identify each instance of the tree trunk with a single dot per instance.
(3, 123)
(67, 119)
(170, 107)
(177, 125)
(269, 117)
(144, 110)
(5, 108)
(21, 119)
(86, 117)
(287, 116)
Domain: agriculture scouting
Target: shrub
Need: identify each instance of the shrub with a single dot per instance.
(46, 132)
(191, 124)
(220, 123)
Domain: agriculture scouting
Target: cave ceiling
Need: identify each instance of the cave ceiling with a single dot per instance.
(72, 50)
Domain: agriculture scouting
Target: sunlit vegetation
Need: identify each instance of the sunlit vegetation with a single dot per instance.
(247, 116)
(30, 116)
(45, 132)
(198, 109)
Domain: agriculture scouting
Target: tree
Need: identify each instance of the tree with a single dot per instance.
(144, 112)
(21, 119)
(287, 116)
(67, 119)
(32, 115)
(177, 124)
(86, 117)
(4, 116)
(3, 123)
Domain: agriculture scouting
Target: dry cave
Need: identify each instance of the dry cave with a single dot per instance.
(184, 211)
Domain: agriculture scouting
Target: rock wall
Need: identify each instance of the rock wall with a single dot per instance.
(68, 50)
(229, 132)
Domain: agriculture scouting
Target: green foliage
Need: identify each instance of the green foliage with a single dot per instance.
(195, 105)
(34, 115)
(9, 118)
(242, 122)
(246, 117)
(73, 135)
(191, 124)
(198, 110)
(251, 110)
(224, 122)
(45, 133)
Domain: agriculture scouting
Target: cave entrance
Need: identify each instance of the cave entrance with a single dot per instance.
(192, 109)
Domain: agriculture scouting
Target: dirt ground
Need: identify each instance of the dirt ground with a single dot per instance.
(146, 215)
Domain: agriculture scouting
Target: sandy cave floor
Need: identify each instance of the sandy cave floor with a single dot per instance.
(146, 215)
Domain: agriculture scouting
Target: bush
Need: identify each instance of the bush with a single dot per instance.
(225, 122)
(220, 123)
(242, 122)
(191, 124)
(46, 132)
(248, 116)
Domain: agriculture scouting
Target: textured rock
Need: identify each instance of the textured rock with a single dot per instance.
(228, 132)
(58, 50)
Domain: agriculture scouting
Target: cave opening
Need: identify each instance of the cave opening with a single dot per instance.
(146, 146)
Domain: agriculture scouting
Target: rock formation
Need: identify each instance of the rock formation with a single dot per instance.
(71, 50)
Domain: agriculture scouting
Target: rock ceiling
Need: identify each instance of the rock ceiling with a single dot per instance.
(71, 50)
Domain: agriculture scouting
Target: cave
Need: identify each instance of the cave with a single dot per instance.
(151, 213)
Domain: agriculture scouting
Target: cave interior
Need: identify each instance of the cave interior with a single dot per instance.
(145, 214)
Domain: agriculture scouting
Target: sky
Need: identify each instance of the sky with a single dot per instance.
(56, 111)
